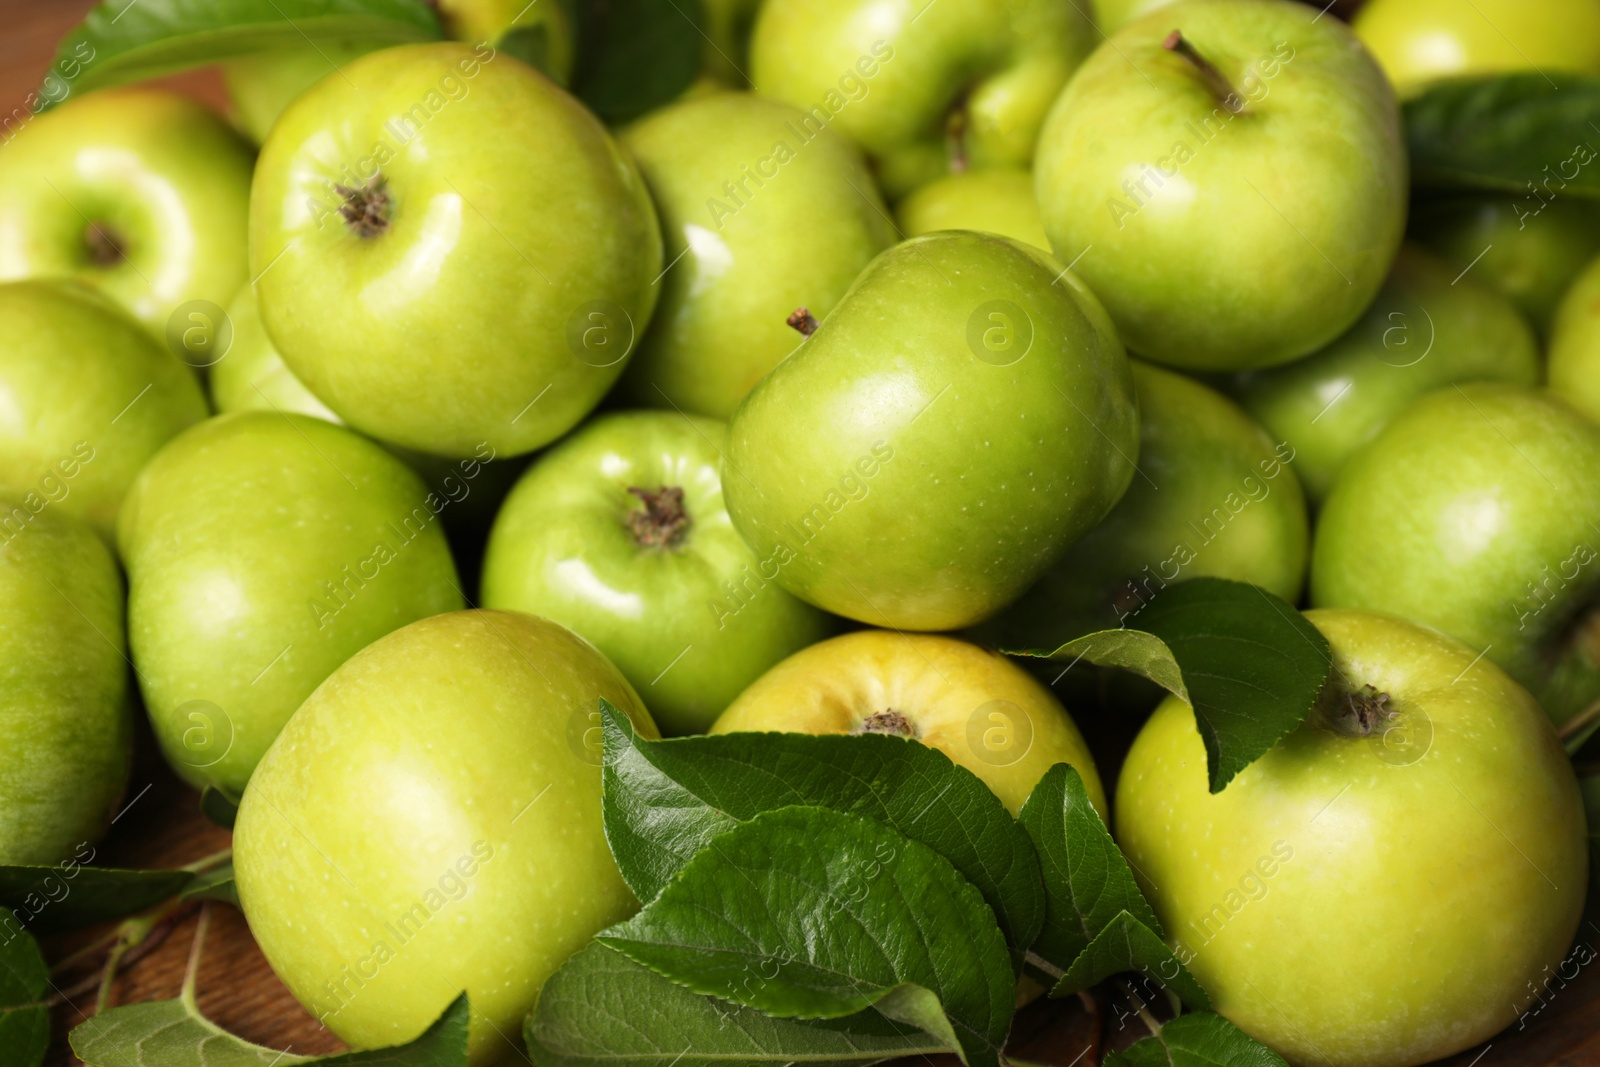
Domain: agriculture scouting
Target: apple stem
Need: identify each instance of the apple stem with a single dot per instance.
(104, 247)
(1215, 80)
(801, 319)
(366, 206)
(663, 521)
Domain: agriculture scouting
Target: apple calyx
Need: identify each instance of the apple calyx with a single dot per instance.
(1357, 712)
(663, 522)
(104, 244)
(1215, 80)
(366, 207)
(801, 319)
(888, 721)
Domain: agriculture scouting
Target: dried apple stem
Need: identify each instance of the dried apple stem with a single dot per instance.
(1215, 80)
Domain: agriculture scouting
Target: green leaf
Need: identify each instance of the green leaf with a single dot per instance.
(217, 805)
(173, 1033)
(666, 800)
(602, 1008)
(1249, 664)
(215, 884)
(1505, 131)
(1200, 1039)
(635, 55)
(813, 913)
(1127, 944)
(24, 1019)
(71, 896)
(122, 41)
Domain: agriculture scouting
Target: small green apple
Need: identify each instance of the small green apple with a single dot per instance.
(540, 35)
(65, 711)
(261, 85)
(447, 771)
(760, 216)
(86, 397)
(251, 375)
(924, 88)
(964, 414)
(262, 551)
(1429, 327)
(1575, 345)
(1230, 178)
(977, 707)
(999, 201)
(1387, 885)
(620, 533)
(140, 192)
(1215, 495)
(1418, 42)
(411, 267)
(1475, 511)
(1528, 248)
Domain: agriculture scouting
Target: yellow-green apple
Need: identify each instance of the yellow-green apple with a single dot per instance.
(251, 375)
(999, 200)
(262, 84)
(1575, 345)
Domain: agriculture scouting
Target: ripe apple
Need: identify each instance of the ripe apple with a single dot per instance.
(1475, 511)
(1215, 496)
(86, 397)
(925, 89)
(442, 773)
(963, 415)
(1230, 178)
(64, 705)
(994, 201)
(760, 216)
(251, 375)
(1418, 42)
(410, 266)
(1429, 327)
(1527, 248)
(140, 192)
(1575, 345)
(262, 551)
(262, 84)
(1383, 887)
(977, 707)
(540, 35)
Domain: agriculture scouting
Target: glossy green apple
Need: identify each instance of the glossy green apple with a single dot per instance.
(1235, 200)
(1420, 41)
(761, 216)
(1575, 345)
(140, 192)
(251, 375)
(1475, 511)
(924, 88)
(620, 533)
(961, 417)
(1390, 882)
(429, 822)
(1111, 15)
(1528, 248)
(1428, 327)
(977, 707)
(263, 550)
(64, 700)
(999, 201)
(442, 300)
(86, 397)
(261, 85)
(1215, 496)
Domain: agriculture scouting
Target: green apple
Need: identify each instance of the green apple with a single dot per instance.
(86, 397)
(962, 416)
(411, 267)
(977, 707)
(924, 88)
(1420, 41)
(64, 702)
(263, 550)
(140, 192)
(620, 533)
(251, 375)
(1575, 345)
(1391, 881)
(445, 772)
(1229, 177)
(1475, 511)
(1215, 496)
(1528, 248)
(999, 201)
(540, 35)
(760, 216)
(1111, 15)
(1429, 327)
(262, 84)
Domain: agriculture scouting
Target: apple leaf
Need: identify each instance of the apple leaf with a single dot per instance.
(635, 55)
(217, 805)
(1508, 133)
(811, 913)
(215, 884)
(603, 1008)
(70, 896)
(1127, 944)
(1249, 664)
(122, 41)
(173, 1033)
(24, 1018)
(666, 800)
(1199, 1039)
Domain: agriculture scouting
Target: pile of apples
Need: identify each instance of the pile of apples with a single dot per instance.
(367, 441)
